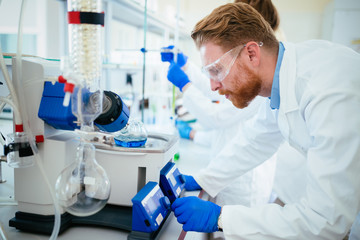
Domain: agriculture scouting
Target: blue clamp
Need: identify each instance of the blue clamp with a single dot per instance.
(51, 108)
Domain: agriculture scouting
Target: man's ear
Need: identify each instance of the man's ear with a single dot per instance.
(253, 52)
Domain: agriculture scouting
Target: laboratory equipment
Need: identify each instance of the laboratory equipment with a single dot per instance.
(133, 135)
(151, 205)
(115, 113)
(83, 187)
(114, 116)
(84, 160)
(18, 151)
(171, 181)
(129, 169)
(150, 208)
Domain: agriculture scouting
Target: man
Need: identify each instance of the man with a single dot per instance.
(314, 102)
(222, 120)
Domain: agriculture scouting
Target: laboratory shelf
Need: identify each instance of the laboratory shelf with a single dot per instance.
(132, 13)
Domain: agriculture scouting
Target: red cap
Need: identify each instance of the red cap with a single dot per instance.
(69, 87)
(19, 128)
(61, 79)
(39, 138)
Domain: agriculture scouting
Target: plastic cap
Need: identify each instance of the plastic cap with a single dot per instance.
(19, 128)
(39, 138)
(69, 87)
(61, 79)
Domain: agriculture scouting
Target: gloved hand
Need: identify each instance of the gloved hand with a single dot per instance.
(183, 128)
(196, 214)
(168, 56)
(177, 76)
(190, 183)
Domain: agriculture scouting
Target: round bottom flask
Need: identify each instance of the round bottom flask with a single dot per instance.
(83, 188)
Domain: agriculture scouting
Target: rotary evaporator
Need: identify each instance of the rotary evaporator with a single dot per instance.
(105, 168)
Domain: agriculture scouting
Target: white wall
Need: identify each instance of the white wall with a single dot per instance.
(300, 20)
(41, 17)
(344, 19)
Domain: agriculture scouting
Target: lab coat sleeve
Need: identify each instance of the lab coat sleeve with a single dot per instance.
(332, 199)
(212, 115)
(258, 141)
(203, 137)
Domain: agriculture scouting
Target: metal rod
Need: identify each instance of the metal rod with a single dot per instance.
(144, 63)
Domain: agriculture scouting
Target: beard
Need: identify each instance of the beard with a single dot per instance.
(244, 88)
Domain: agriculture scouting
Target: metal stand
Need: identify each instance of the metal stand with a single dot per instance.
(2, 159)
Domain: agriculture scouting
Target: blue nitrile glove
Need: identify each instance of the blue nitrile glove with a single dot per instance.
(183, 128)
(196, 214)
(169, 56)
(190, 183)
(177, 76)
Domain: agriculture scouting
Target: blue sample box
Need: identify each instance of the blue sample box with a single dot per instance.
(170, 181)
(150, 208)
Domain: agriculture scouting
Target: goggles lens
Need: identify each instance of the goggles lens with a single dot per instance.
(219, 69)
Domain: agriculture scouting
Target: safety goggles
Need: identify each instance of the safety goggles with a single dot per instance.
(219, 69)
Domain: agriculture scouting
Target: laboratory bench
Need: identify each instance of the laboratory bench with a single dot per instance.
(192, 158)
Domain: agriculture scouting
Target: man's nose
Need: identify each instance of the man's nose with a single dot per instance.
(215, 85)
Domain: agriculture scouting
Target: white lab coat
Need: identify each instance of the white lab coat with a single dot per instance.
(290, 174)
(355, 229)
(223, 121)
(319, 115)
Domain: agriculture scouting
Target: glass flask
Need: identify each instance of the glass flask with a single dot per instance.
(83, 188)
(86, 106)
(133, 135)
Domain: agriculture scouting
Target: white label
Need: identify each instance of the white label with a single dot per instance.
(89, 180)
(159, 219)
(170, 175)
(172, 180)
(178, 191)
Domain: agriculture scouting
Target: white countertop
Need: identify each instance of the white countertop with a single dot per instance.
(192, 158)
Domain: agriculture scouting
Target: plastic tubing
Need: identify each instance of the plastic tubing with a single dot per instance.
(33, 146)
(18, 119)
(2, 104)
(8, 101)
